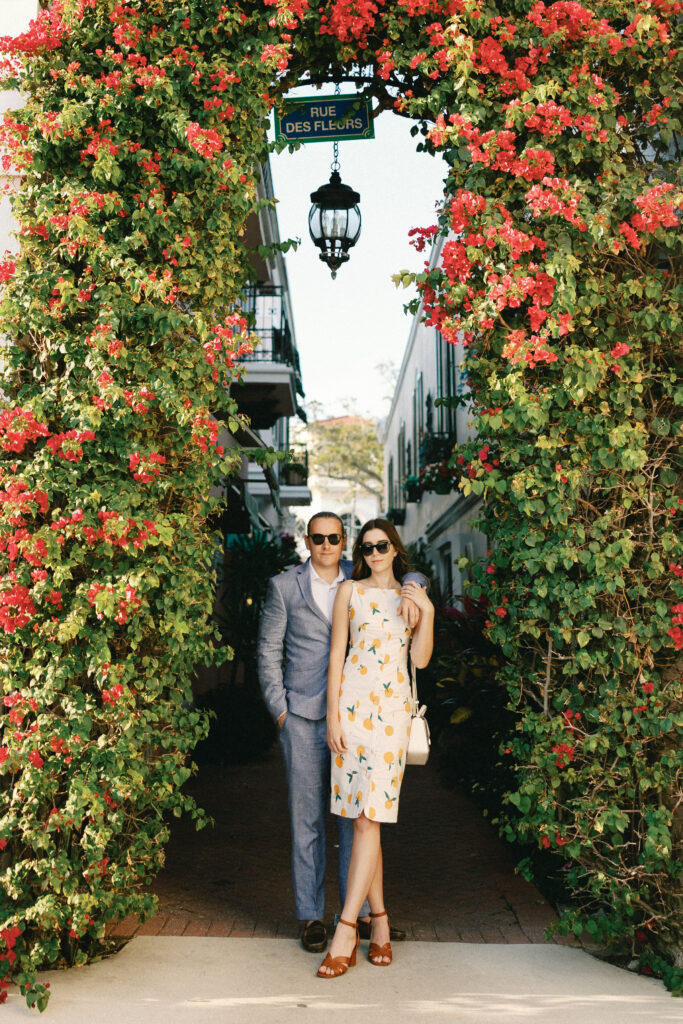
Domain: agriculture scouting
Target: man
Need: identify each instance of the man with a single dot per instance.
(295, 623)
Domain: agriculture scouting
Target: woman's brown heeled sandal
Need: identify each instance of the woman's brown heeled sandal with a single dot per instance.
(340, 964)
(380, 956)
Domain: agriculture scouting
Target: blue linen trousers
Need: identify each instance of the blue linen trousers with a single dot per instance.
(307, 764)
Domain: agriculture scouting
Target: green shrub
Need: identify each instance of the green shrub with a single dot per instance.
(467, 709)
(242, 729)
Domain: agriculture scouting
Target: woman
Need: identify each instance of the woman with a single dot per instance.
(368, 722)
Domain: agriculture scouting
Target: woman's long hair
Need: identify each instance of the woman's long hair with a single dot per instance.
(400, 566)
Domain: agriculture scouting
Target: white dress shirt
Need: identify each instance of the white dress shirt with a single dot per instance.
(324, 593)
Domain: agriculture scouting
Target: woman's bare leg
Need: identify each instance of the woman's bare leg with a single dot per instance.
(379, 925)
(376, 890)
(362, 870)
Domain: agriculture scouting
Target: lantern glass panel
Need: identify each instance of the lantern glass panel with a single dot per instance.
(314, 223)
(353, 226)
(334, 223)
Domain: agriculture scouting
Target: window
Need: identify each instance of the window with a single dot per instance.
(429, 413)
(352, 525)
(469, 554)
(446, 571)
(447, 385)
(390, 482)
(418, 418)
(416, 438)
(281, 434)
(398, 497)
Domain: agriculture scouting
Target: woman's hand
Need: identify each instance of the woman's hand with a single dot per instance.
(409, 612)
(412, 591)
(422, 640)
(336, 740)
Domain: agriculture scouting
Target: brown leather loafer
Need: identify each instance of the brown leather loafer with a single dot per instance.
(395, 934)
(314, 937)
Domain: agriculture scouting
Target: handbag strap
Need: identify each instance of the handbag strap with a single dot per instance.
(413, 685)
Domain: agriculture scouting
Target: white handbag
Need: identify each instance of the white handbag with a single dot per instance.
(418, 741)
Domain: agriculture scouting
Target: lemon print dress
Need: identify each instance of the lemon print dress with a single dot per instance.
(374, 704)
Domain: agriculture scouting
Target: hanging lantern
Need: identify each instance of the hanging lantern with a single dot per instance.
(334, 220)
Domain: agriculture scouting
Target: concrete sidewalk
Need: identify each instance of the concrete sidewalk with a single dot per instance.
(158, 980)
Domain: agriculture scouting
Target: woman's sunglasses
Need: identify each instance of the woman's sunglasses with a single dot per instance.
(320, 538)
(382, 548)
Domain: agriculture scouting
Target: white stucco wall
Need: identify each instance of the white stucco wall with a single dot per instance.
(15, 17)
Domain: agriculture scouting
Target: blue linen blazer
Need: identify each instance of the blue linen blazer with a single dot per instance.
(293, 626)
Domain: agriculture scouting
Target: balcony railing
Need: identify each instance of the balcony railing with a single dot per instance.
(265, 304)
(268, 390)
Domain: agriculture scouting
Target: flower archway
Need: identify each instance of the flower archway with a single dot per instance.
(137, 145)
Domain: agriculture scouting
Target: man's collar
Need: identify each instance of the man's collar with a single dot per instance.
(316, 576)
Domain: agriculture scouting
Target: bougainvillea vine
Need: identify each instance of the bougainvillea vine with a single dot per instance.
(138, 147)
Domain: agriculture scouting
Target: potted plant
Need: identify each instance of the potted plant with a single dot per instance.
(412, 488)
(439, 477)
(397, 516)
(295, 474)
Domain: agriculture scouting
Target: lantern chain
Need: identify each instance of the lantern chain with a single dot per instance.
(335, 165)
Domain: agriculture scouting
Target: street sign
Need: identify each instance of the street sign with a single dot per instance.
(325, 119)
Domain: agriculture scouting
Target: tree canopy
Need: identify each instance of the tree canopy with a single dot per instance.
(346, 449)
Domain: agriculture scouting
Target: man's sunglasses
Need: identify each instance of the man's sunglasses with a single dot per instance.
(382, 548)
(320, 538)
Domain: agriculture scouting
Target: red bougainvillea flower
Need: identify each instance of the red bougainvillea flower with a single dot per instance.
(205, 141)
(68, 445)
(18, 427)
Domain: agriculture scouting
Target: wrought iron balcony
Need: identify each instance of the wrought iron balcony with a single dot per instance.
(265, 305)
(272, 379)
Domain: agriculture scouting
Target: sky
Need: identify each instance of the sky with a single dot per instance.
(347, 328)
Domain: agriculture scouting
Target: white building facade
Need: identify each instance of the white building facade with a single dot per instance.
(419, 433)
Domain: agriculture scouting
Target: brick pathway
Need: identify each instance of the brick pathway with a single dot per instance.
(448, 877)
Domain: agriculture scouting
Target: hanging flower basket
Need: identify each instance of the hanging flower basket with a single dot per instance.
(397, 516)
(439, 477)
(295, 474)
(412, 489)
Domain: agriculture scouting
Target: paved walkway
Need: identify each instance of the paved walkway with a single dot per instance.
(448, 877)
(158, 980)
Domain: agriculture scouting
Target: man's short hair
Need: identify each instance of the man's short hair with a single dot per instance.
(326, 515)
